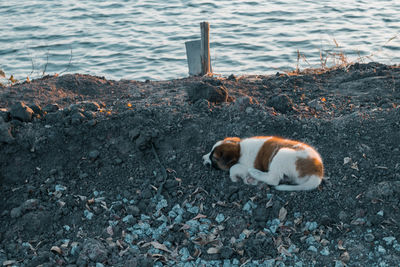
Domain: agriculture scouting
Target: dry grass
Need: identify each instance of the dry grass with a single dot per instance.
(331, 60)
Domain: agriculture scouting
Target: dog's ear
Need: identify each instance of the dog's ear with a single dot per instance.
(230, 153)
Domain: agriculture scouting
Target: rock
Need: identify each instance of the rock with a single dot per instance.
(4, 114)
(29, 205)
(51, 108)
(212, 93)
(37, 109)
(77, 118)
(16, 212)
(90, 106)
(316, 104)
(94, 154)
(343, 216)
(93, 250)
(281, 103)
(5, 132)
(369, 237)
(226, 252)
(242, 103)
(21, 111)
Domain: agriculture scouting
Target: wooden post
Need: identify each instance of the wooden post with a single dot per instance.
(205, 48)
(193, 57)
(198, 52)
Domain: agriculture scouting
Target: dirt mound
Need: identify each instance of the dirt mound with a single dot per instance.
(110, 174)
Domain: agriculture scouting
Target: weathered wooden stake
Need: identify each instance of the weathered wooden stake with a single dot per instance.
(198, 52)
(205, 48)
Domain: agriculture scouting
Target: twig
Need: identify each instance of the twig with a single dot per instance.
(163, 171)
(47, 62)
(69, 63)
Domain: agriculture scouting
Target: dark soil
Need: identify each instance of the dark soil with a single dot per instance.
(92, 171)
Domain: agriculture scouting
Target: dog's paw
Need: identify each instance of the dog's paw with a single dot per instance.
(250, 180)
(206, 160)
(234, 178)
(255, 173)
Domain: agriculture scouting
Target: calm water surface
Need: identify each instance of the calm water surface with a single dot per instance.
(145, 39)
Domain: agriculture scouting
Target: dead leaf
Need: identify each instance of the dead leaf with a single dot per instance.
(110, 230)
(269, 203)
(340, 245)
(199, 216)
(282, 214)
(283, 250)
(56, 249)
(157, 245)
(346, 160)
(213, 250)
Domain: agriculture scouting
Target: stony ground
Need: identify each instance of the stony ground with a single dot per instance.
(109, 173)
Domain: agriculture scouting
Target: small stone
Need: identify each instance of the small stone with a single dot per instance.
(369, 237)
(220, 218)
(389, 240)
(380, 213)
(194, 210)
(185, 255)
(339, 264)
(88, 214)
(381, 249)
(93, 250)
(313, 249)
(343, 216)
(325, 251)
(51, 108)
(311, 226)
(98, 264)
(77, 118)
(60, 188)
(128, 219)
(16, 212)
(281, 103)
(94, 154)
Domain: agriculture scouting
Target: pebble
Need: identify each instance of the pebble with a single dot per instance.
(311, 226)
(325, 251)
(94, 250)
(60, 188)
(16, 212)
(381, 249)
(313, 249)
(94, 154)
(88, 214)
(281, 103)
(161, 204)
(249, 206)
(339, 264)
(128, 219)
(220, 218)
(185, 255)
(51, 108)
(369, 237)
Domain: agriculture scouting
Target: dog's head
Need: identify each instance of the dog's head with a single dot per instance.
(224, 154)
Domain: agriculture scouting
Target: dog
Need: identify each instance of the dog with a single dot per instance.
(268, 159)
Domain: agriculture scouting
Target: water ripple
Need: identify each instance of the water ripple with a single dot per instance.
(145, 39)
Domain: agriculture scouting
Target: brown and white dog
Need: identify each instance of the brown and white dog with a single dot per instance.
(268, 159)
